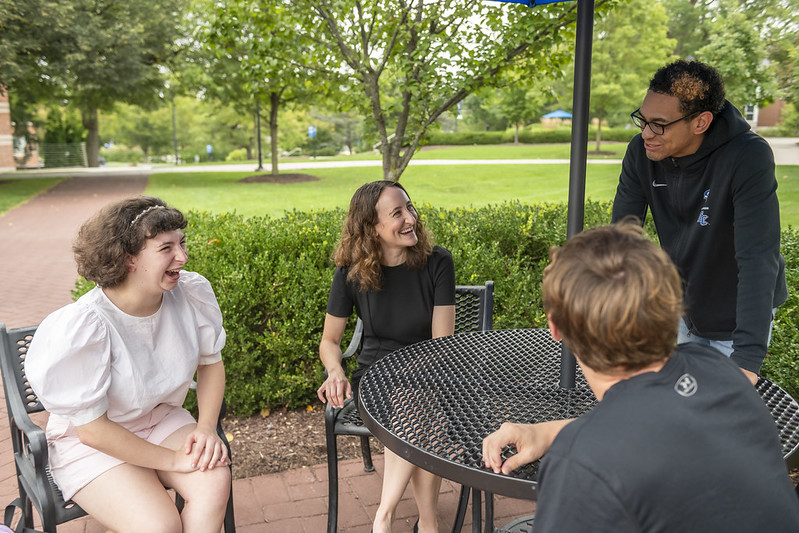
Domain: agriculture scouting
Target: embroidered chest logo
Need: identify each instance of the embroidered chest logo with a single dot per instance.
(686, 386)
(704, 212)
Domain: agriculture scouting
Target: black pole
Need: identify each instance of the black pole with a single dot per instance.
(258, 134)
(174, 131)
(579, 147)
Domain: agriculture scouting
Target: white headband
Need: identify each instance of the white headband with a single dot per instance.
(145, 212)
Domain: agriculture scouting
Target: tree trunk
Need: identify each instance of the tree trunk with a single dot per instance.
(516, 134)
(348, 141)
(89, 118)
(274, 104)
(599, 130)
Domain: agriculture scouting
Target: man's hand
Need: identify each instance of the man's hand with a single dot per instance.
(530, 440)
(751, 376)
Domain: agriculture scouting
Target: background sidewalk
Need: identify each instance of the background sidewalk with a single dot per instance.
(37, 273)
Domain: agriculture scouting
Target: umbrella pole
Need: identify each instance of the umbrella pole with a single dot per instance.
(579, 147)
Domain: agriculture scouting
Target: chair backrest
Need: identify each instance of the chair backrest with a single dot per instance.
(14, 345)
(474, 307)
(474, 311)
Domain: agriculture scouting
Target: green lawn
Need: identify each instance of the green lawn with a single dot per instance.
(501, 151)
(14, 192)
(788, 193)
(444, 186)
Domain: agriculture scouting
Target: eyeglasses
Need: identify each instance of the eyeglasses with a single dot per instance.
(655, 127)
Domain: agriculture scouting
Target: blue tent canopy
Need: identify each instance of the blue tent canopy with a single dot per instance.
(558, 114)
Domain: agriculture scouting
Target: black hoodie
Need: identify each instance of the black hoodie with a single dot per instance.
(717, 216)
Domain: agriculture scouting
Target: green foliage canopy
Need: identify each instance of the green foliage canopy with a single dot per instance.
(91, 53)
(412, 60)
(630, 44)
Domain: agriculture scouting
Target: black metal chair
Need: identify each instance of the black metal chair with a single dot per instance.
(36, 486)
(474, 311)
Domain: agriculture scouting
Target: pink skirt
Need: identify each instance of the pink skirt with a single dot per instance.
(74, 465)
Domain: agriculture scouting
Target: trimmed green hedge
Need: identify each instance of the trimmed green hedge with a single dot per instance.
(526, 136)
(272, 277)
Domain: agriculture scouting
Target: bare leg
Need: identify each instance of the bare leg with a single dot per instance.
(206, 493)
(396, 475)
(117, 498)
(426, 488)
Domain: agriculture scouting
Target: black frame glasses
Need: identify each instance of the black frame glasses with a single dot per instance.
(655, 127)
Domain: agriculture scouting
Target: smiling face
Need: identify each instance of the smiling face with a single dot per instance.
(156, 268)
(679, 139)
(396, 222)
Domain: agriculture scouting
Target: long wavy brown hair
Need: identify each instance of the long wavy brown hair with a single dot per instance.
(359, 247)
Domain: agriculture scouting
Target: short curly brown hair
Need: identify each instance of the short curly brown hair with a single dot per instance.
(118, 231)
(697, 86)
(615, 296)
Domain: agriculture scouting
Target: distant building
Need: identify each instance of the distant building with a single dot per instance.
(764, 117)
(26, 150)
(6, 140)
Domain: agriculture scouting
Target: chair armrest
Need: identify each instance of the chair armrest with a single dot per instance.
(355, 342)
(29, 440)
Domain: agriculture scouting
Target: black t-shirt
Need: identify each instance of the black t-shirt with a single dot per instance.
(401, 312)
(689, 448)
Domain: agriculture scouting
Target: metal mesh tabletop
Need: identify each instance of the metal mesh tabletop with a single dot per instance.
(785, 411)
(434, 402)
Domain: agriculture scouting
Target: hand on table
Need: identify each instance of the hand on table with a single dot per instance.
(530, 440)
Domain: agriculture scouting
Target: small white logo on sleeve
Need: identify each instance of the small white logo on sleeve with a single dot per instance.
(686, 386)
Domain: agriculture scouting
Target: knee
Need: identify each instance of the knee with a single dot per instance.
(213, 490)
(168, 522)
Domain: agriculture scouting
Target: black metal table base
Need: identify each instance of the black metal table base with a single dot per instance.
(520, 525)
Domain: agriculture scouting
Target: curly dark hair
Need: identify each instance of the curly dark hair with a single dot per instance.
(697, 86)
(359, 247)
(118, 231)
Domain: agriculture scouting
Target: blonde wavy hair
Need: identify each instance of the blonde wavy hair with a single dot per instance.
(359, 247)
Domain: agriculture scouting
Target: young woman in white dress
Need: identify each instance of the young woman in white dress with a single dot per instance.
(113, 370)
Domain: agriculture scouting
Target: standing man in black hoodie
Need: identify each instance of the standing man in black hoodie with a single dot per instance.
(709, 182)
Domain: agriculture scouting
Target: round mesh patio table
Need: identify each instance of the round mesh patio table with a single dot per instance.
(433, 402)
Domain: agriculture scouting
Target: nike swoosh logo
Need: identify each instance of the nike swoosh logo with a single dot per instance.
(655, 184)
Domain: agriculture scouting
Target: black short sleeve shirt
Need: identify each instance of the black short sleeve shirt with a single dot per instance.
(401, 311)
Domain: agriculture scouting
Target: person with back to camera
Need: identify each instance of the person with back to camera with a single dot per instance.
(679, 441)
(403, 289)
(113, 370)
(709, 181)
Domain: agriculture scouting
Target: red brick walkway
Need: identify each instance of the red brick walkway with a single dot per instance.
(36, 275)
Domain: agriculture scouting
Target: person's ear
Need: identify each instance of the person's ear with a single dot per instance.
(130, 263)
(553, 329)
(702, 122)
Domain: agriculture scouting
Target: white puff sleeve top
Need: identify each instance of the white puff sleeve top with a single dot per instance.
(90, 358)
